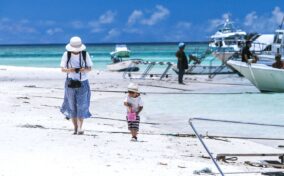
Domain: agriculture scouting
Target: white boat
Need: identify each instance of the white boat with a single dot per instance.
(128, 65)
(227, 38)
(276, 47)
(263, 77)
(120, 51)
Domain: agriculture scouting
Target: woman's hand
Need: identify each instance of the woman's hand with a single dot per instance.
(87, 69)
(68, 70)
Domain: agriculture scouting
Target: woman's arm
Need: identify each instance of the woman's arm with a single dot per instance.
(87, 69)
(67, 70)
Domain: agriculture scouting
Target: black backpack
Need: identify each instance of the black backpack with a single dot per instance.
(84, 54)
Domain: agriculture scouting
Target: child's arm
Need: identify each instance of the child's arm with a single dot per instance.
(139, 110)
(128, 105)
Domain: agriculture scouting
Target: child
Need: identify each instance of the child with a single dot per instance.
(134, 104)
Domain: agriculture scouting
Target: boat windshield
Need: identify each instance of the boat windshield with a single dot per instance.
(227, 27)
(278, 38)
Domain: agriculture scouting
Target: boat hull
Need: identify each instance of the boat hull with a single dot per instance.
(123, 66)
(263, 77)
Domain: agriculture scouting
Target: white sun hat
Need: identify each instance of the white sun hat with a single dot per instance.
(75, 45)
(133, 87)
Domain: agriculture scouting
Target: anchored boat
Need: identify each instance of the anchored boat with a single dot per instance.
(120, 51)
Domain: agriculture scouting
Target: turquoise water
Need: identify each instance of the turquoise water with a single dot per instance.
(50, 55)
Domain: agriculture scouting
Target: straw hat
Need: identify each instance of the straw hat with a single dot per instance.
(133, 88)
(75, 45)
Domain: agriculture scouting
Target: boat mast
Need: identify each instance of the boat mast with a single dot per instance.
(281, 23)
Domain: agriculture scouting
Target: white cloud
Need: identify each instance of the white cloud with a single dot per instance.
(77, 24)
(138, 16)
(16, 27)
(53, 31)
(250, 18)
(157, 16)
(134, 17)
(278, 15)
(183, 25)
(107, 17)
(133, 30)
(214, 23)
(263, 23)
(113, 33)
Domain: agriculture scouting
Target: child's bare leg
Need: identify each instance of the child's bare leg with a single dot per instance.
(134, 133)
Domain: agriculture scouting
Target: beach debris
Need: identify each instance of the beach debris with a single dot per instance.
(273, 173)
(182, 167)
(163, 163)
(25, 98)
(205, 170)
(30, 86)
(31, 126)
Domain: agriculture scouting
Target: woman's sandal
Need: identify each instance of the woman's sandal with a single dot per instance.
(80, 132)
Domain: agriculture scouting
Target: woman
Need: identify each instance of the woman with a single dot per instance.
(76, 62)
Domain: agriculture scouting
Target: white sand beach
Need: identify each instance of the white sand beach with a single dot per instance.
(36, 139)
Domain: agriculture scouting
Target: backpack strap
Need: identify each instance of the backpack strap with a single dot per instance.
(68, 58)
(84, 54)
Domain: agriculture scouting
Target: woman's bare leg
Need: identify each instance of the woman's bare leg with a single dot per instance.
(75, 124)
(80, 124)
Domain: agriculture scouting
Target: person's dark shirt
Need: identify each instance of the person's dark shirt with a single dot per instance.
(278, 64)
(246, 52)
(182, 60)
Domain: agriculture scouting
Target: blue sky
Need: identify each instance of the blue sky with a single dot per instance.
(96, 21)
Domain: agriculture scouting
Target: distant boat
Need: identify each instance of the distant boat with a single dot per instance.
(120, 51)
(228, 38)
(263, 77)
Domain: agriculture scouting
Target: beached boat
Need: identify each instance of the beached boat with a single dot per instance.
(120, 51)
(127, 65)
(264, 77)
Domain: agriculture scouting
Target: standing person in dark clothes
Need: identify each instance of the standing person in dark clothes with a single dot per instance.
(182, 63)
(247, 55)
